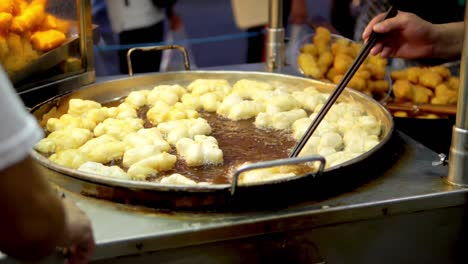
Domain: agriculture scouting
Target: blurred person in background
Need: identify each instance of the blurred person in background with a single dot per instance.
(106, 62)
(140, 22)
(34, 220)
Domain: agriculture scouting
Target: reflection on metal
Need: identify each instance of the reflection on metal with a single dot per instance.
(85, 29)
(275, 58)
(458, 159)
(275, 163)
(157, 48)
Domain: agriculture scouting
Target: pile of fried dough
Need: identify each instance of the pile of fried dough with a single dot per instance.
(328, 58)
(422, 85)
(27, 31)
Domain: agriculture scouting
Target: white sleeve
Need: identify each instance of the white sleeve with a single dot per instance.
(19, 130)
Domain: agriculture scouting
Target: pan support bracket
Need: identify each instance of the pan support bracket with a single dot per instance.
(458, 159)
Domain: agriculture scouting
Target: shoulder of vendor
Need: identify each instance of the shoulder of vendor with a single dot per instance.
(133, 14)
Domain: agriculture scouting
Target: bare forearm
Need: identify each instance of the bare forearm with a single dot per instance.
(32, 222)
(448, 40)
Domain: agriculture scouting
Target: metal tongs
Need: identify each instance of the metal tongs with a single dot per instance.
(392, 11)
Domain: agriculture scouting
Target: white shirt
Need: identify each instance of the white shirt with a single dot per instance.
(133, 14)
(19, 130)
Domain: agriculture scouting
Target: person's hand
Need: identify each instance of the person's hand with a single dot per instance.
(406, 36)
(79, 240)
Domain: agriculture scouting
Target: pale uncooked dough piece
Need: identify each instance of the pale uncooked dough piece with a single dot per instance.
(192, 101)
(137, 99)
(107, 171)
(70, 158)
(118, 128)
(146, 137)
(79, 106)
(160, 113)
(69, 138)
(203, 86)
(177, 179)
(133, 155)
(103, 149)
(281, 120)
(266, 174)
(248, 88)
(202, 150)
(281, 103)
(69, 121)
(169, 94)
(185, 128)
(308, 101)
(151, 166)
(126, 111)
(211, 101)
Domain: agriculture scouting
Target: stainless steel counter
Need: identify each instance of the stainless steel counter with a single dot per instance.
(410, 185)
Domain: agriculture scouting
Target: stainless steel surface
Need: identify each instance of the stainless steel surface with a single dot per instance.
(458, 161)
(408, 199)
(86, 34)
(275, 14)
(458, 158)
(340, 87)
(112, 90)
(157, 48)
(274, 45)
(46, 61)
(274, 163)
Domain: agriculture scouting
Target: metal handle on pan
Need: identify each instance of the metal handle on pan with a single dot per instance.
(274, 163)
(157, 48)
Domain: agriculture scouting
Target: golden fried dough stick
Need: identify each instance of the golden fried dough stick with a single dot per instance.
(430, 78)
(52, 22)
(7, 6)
(5, 21)
(399, 75)
(47, 40)
(422, 94)
(442, 71)
(308, 64)
(403, 90)
(31, 17)
(380, 86)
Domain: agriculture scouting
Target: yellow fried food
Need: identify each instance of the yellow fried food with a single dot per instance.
(7, 6)
(47, 40)
(5, 21)
(308, 64)
(31, 17)
(309, 48)
(328, 58)
(399, 75)
(453, 82)
(444, 95)
(52, 22)
(422, 95)
(342, 63)
(403, 90)
(442, 71)
(380, 86)
(413, 74)
(430, 78)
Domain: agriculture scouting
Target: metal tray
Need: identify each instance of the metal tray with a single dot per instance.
(46, 61)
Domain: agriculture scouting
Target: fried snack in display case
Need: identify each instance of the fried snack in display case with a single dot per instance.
(429, 86)
(40, 39)
(327, 57)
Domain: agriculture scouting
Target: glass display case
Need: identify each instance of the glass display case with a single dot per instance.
(46, 44)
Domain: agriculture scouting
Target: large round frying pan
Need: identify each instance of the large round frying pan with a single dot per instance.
(193, 197)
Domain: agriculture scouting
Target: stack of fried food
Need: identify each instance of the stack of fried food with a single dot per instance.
(27, 31)
(328, 59)
(422, 85)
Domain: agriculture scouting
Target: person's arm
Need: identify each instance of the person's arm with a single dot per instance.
(408, 36)
(34, 219)
(32, 222)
